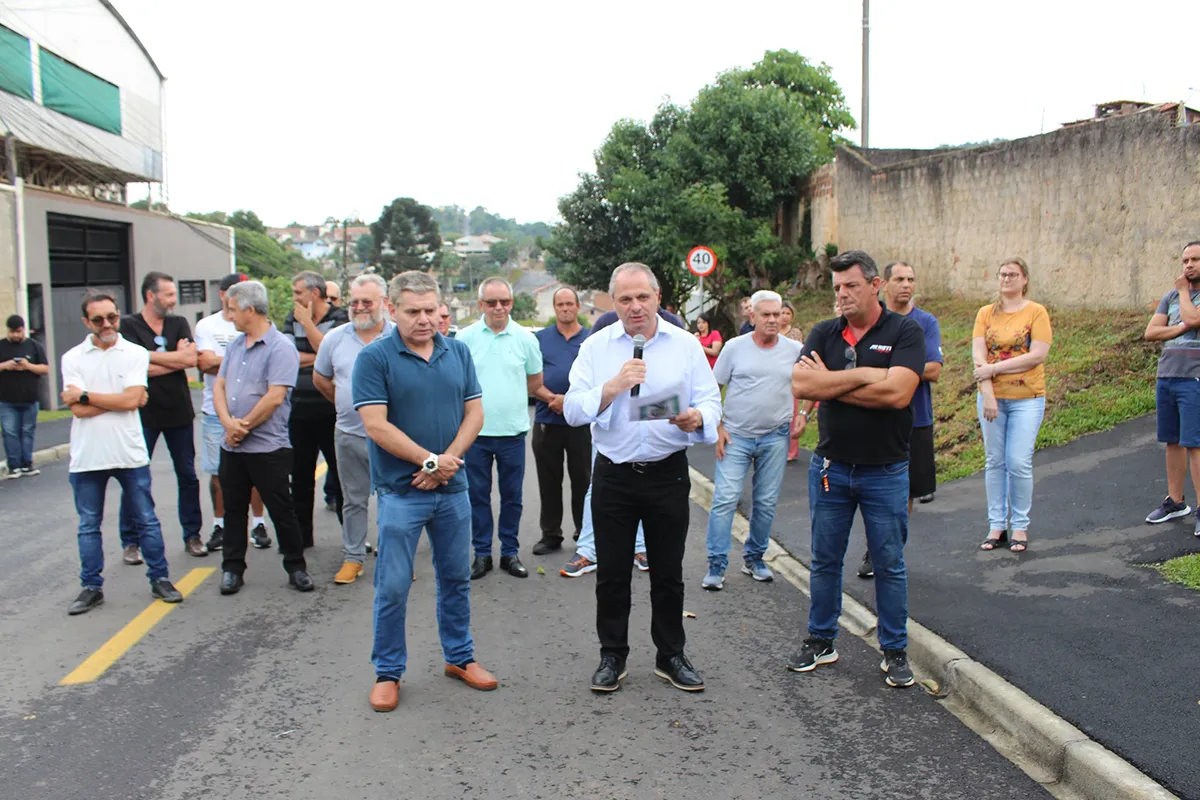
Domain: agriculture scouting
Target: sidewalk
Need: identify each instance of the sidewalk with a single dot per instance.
(1075, 622)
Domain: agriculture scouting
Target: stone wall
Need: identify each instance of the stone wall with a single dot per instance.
(1100, 211)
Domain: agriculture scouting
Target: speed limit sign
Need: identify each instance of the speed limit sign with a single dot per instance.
(701, 261)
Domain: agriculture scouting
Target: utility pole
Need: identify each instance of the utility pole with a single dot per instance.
(866, 75)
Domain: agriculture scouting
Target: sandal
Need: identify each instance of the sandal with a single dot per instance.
(1019, 545)
(992, 543)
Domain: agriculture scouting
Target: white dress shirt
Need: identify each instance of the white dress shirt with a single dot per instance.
(674, 358)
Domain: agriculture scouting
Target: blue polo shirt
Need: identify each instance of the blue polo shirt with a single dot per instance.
(922, 401)
(424, 399)
(558, 354)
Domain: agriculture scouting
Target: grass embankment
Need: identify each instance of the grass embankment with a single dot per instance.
(1100, 372)
(1184, 570)
(49, 416)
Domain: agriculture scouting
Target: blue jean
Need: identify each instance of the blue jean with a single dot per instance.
(1008, 443)
(19, 420)
(882, 494)
(447, 518)
(508, 454)
(586, 546)
(89, 503)
(768, 454)
(182, 446)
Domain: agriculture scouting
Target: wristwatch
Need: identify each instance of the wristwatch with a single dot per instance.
(430, 464)
(83, 398)
(804, 413)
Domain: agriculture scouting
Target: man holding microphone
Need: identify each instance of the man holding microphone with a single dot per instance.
(641, 471)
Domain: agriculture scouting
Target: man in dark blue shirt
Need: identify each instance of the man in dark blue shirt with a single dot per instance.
(552, 436)
(422, 407)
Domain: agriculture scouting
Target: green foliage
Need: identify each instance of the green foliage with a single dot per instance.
(257, 254)
(524, 307)
(144, 205)
(279, 290)
(1184, 570)
(364, 247)
(503, 252)
(247, 221)
(405, 236)
(714, 173)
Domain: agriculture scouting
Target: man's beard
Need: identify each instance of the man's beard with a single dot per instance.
(160, 309)
(365, 324)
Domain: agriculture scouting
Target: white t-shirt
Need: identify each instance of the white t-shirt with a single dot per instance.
(213, 333)
(114, 439)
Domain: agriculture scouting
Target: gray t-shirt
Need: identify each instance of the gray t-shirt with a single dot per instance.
(335, 361)
(759, 395)
(1180, 356)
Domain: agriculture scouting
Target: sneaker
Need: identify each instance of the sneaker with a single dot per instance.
(813, 653)
(866, 569)
(639, 561)
(131, 555)
(714, 581)
(758, 570)
(370, 548)
(164, 590)
(86, 601)
(895, 667)
(259, 537)
(28, 472)
(1197, 528)
(217, 540)
(579, 565)
(1167, 511)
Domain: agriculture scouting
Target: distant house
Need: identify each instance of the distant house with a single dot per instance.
(283, 235)
(314, 250)
(475, 245)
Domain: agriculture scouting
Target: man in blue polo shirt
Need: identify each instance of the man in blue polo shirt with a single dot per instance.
(420, 403)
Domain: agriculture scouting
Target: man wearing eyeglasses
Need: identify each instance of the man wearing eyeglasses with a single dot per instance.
(169, 411)
(508, 361)
(863, 367)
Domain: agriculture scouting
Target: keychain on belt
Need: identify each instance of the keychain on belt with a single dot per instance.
(825, 475)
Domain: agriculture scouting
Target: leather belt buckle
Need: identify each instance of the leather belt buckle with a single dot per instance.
(639, 466)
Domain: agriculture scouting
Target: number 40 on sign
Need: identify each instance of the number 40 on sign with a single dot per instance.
(701, 262)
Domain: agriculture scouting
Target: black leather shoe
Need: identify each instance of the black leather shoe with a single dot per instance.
(231, 583)
(680, 673)
(86, 601)
(300, 581)
(514, 566)
(480, 566)
(608, 676)
(164, 590)
(548, 544)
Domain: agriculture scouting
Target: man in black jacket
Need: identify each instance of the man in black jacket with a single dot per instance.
(311, 424)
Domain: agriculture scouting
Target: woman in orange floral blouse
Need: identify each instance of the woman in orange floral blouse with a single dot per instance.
(1011, 340)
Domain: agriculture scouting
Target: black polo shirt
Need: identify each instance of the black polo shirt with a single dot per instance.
(20, 386)
(307, 401)
(852, 434)
(169, 401)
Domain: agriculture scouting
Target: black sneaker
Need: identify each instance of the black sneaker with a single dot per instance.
(86, 601)
(259, 537)
(813, 653)
(164, 590)
(866, 569)
(608, 676)
(217, 540)
(895, 667)
(1167, 511)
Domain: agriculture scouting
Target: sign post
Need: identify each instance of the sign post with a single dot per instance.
(701, 261)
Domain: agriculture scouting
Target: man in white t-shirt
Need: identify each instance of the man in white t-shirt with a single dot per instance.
(213, 335)
(104, 385)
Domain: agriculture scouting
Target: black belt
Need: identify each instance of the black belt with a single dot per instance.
(673, 461)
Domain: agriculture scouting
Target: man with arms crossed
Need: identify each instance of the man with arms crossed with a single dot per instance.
(755, 430)
(863, 367)
(420, 404)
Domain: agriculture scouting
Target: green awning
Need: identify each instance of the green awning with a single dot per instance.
(16, 65)
(79, 94)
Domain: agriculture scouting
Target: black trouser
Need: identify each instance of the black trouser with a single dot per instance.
(550, 443)
(655, 494)
(269, 473)
(309, 437)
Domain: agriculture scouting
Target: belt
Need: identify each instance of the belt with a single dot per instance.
(642, 467)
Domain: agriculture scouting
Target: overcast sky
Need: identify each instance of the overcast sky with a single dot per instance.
(302, 110)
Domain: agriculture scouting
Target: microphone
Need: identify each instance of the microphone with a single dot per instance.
(639, 342)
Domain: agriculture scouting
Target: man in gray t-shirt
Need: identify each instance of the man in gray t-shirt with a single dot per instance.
(1177, 394)
(756, 369)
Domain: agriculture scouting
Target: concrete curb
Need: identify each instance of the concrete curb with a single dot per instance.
(45, 456)
(1048, 748)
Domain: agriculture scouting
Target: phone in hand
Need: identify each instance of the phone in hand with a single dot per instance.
(18, 358)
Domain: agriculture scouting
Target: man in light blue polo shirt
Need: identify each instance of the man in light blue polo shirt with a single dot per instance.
(420, 404)
(509, 363)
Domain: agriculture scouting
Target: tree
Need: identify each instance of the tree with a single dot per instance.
(524, 307)
(145, 205)
(364, 247)
(255, 253)
(247, 221)
(503, 251)
(405, 237)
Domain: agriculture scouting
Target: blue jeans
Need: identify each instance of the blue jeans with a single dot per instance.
(19, 420)
(508, 454)
(586, 546)
(768, 454)
(1008, 443)
(182, 445)
(89, 503)
(882, 494)
(447, 517)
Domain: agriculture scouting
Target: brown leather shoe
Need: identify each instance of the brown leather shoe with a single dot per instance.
(474, 676)
(132, 556)
(385, 696)
(195, 547)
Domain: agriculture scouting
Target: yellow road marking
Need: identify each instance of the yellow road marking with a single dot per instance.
(127, 637)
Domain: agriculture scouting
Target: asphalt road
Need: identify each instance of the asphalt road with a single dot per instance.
(264, 694)
(1078, 621)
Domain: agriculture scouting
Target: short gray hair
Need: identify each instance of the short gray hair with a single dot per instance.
(313, 281)
(413, 281)
(494, 280)
(632, 266)
(250, 294)
(565, 288)
(371, 279)
(764, 296)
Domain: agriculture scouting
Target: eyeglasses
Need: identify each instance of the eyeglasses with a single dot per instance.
(851, 357)
(111, 319)
(1009, 276)
(368, 304)
(506, 302)
(161, 341)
